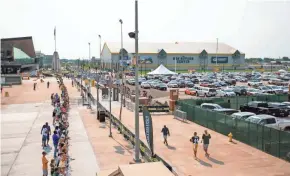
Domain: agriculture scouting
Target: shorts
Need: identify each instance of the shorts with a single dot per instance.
(45, 172)
(44, 138)
(195, 146)
(165, 137)
(205, 146)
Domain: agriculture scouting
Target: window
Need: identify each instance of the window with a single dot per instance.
(271, 121)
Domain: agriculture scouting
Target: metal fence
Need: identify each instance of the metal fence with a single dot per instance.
(237, 101)
(270, 140)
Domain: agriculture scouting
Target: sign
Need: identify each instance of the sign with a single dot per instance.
(183, 59)
(220, 60)
(148, 128)
(155, 108)
(145, 60)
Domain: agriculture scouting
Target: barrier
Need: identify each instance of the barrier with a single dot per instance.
(128, 135)
(155, 108)
(180, 114)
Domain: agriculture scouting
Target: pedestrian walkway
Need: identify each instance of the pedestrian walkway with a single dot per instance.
(110, 152)
(22, 117)
(225, 158)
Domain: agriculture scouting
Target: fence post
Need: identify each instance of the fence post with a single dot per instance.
(248, 133)
(279, 142)
(263, 148)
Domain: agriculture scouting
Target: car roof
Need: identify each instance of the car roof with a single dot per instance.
(263, 116)
(244, 113)
(212, 104)
(225, 109)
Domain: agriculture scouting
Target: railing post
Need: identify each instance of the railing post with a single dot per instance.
(279, 143)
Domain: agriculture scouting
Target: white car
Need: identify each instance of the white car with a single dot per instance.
(242, 115)
(270, 121)
(225, 93)
(255, 83)
(172, 84)
(255, 92)
(276, 89)
(145, 85)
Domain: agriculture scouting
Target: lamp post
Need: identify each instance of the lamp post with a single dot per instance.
(122, 69)
(217, 43)
(135, 36)
(100, 37)
(110, 103)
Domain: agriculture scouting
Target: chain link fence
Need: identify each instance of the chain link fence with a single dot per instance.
(269, 140)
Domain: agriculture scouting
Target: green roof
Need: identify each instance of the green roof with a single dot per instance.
(19, 54)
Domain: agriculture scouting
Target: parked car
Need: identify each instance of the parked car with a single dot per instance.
(162, 86)
(240, 90)
(225, 93)
(255, 83)
(210, 106)
(188, 84)
(190, 91)
(145, 85)
(205, 91)
(259, 107)
(172, 84)
(242, 115)
(266, 89)
(270, 121)
(276, 89)
(226, 111)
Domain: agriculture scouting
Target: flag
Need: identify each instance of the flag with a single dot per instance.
(54, 32)
(148, 126)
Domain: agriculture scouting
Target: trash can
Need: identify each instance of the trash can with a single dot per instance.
(102, 116)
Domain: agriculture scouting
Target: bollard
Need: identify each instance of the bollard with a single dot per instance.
(230, 135)
(6, 94)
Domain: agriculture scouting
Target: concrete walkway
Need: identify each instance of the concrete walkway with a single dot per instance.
(21, 122)
(225, 159)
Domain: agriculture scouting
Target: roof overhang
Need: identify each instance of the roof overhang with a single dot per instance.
(23, 43)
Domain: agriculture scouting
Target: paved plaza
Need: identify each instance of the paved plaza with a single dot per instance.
(225, 158)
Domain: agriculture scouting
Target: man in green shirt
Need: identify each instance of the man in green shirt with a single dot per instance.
(205, 139)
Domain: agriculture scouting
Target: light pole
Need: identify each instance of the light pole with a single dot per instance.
(135, 35)
(110, 103)
(217, 43)
(100, 37)
(122, 69)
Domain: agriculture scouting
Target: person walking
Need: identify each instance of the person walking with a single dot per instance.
(166, 133)
(44, 164)
(52, 98)
(44, 136)
(205, 140)
(195, 139)
(55, 139)
(48, 84)
(34, 86)
(48, 132)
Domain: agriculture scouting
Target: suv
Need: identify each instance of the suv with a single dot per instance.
(205, 91)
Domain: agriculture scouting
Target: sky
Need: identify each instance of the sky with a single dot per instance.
(257, 28)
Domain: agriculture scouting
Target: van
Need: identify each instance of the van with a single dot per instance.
(206, 91)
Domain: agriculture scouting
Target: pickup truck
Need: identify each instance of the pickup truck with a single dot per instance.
(259, 107)
(270, 121)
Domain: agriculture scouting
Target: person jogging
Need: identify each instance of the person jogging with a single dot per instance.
(194, 139)
(166, 133)
(205, 139)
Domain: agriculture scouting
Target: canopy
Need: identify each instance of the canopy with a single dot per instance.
(161, 70)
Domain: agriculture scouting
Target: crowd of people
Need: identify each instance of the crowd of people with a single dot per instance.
(59, 164)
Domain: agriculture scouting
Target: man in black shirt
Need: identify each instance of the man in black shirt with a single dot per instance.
(194, 139)
(205, 139)
(165, 132)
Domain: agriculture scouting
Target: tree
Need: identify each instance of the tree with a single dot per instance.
(285, 58)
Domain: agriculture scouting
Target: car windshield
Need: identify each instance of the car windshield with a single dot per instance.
(163, 85)
(212, 90)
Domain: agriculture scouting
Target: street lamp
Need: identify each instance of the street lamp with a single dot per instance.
(122, 69)
(100, 37)
(135, 36)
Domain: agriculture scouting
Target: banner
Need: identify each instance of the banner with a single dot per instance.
(148, 126)
(155, 108)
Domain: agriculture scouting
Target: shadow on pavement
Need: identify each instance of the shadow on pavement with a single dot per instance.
(216, 161)
(204, 163)
(119, 150)
(171, 147)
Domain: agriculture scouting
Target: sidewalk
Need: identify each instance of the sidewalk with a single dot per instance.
(22, 117)
(110, 152)
(225, 159)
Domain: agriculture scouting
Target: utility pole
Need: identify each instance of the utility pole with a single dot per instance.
(122, 71)
(137, 141)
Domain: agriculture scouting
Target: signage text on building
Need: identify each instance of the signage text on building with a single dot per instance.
(220, 60)
(183, 59)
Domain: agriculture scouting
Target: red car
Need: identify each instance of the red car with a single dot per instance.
(204, 84)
